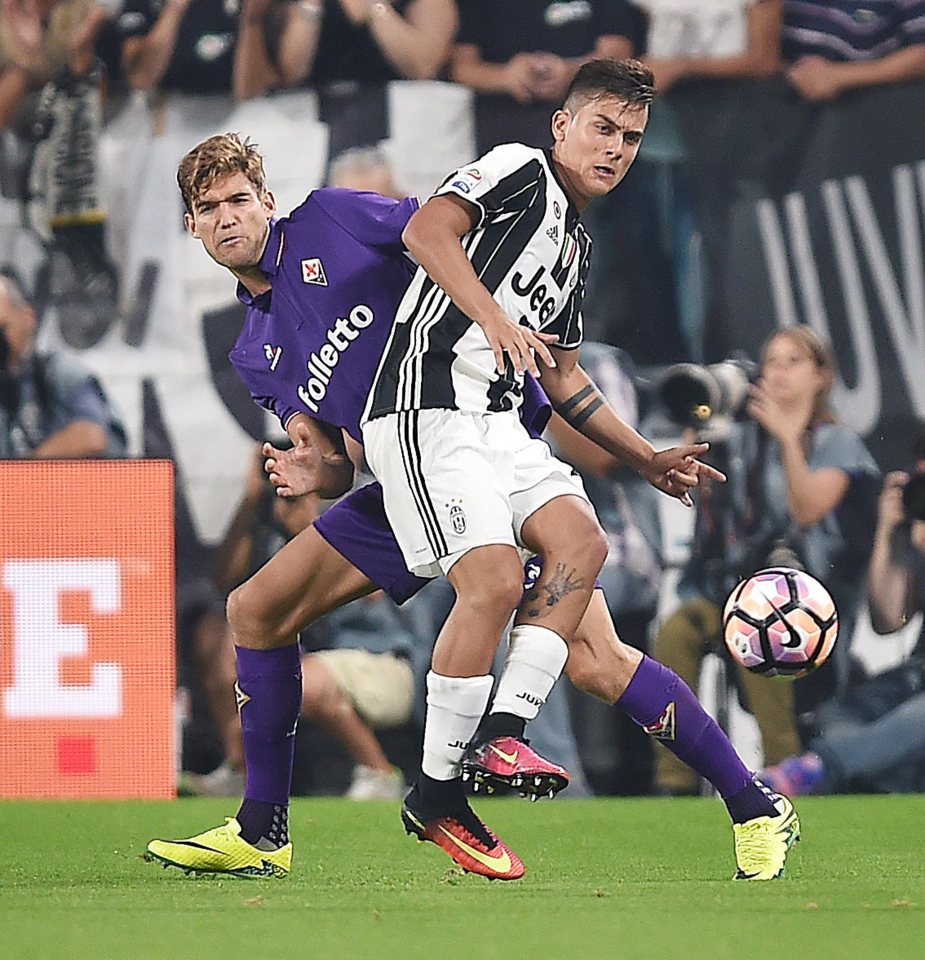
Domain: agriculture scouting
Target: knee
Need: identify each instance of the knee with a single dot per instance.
(498, 586)
(249, 620)
(582, 545)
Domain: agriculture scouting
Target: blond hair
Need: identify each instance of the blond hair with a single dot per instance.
(219, 156)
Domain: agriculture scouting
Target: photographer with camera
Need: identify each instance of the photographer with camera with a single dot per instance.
(801, 491)
(51, 407)
(875, 739)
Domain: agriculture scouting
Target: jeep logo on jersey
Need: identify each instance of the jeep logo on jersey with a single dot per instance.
(458, 519)
(313, 272)
(536, 290)
(320, 365)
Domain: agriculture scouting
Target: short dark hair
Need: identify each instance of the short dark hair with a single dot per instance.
(627, 80)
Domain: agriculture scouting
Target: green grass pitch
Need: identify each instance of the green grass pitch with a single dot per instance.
(628, 879)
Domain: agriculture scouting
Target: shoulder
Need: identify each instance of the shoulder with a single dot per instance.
(837, 445)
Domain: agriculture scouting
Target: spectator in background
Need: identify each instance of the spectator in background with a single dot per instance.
(356, 679)
(51, 407)
(183, 46)
(42, 41)
(520, 56)
(347, 50)
(616, 752)
(800, 489)
(875, 739)
(832, 48)
(650, 237)
(364, 168)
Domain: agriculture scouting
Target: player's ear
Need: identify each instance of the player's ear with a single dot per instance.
(560, 121)
(269, 203)
(189, 221)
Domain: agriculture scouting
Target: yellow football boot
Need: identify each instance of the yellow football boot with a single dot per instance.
(762, 844)
(221, 850)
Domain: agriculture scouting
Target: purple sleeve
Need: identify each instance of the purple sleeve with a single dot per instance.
(371, 219)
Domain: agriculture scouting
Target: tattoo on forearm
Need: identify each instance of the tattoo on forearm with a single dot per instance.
(587, 411)
(568, 405)
(541, 600)
(576, 419)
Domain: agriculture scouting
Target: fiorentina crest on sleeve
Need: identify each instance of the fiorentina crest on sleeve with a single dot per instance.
(313, 272)
(663, 727)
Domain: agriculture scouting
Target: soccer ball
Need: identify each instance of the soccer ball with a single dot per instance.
(780, 622)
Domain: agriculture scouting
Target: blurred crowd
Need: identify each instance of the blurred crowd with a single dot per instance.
(803, 487)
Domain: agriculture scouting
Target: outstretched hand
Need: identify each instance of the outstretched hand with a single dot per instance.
(677, 470)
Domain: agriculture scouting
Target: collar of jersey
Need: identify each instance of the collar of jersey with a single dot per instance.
(571, 211)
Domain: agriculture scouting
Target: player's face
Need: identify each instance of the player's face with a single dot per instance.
(233, 221)
(595, 146)
(789, 372)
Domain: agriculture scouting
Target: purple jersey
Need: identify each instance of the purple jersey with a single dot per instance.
(338, 268)
(313, 343)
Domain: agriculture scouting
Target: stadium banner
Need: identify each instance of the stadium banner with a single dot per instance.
(816, 214)
(87, 652)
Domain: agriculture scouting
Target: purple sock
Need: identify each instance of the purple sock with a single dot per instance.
(666, 708)
(269, 693)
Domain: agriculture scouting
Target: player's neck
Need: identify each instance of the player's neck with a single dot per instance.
(254, 280)
(568, 181)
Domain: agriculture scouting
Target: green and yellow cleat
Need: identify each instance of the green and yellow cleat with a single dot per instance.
(762, 844)
(221, 851)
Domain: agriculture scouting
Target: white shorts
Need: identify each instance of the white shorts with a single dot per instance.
(454, 480)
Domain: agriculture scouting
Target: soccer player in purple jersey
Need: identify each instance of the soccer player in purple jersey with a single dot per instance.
(351, 551)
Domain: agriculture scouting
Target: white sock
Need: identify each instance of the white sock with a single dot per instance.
(455, 706)
(535, 658)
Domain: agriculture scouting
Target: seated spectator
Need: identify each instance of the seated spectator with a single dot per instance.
(51, 407)
(800, 490)
(832, 48)
(347, 50)
(356, 671)
(519, 57)
(186, 46)
(875, 739)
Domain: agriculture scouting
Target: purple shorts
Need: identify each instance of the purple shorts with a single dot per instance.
(357, 528)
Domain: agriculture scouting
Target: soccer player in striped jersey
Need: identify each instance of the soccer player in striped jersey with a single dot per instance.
(503, 264)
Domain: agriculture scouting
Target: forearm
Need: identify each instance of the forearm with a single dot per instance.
(146, 65)
(232, 561)
(468, 69)
(582, 406)
(907, 64)
(888, 583)
(808, 497)
(254, 73)
(14, 82)
(415, 50)
(299, 42)
(82, 438)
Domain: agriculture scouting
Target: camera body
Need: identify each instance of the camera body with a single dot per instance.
(705, 397)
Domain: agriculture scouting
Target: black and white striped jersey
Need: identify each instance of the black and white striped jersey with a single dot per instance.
(529, 249)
